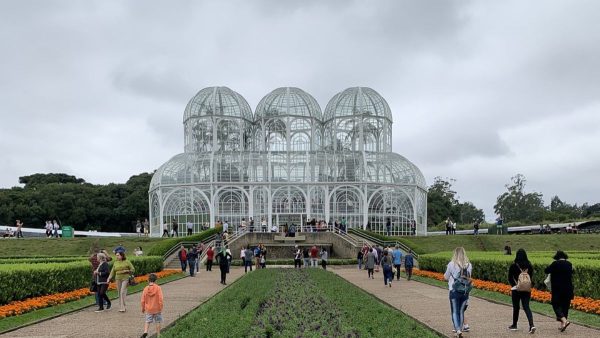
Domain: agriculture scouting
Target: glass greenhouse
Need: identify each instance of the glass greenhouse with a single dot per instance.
(288, 162)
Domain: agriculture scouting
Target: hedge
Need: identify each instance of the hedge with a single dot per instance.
(490, 267)
(163, 247)
(21, 281)
(39, 260)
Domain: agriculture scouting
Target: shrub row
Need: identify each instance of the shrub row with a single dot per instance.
(161, 248)
(586, 276)
(39, 260)
(21, 281)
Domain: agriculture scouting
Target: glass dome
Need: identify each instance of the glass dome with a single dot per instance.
(357, 101)
(217, 101)
(287, 101)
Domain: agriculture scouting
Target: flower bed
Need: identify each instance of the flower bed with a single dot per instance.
(19, 307)
(584, 304)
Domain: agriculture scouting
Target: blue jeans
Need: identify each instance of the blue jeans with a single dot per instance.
(388, 275)
(360, 264)
(192, 264)
(458, 301)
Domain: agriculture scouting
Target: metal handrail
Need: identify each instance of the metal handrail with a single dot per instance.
(384, 243)
(176, 247)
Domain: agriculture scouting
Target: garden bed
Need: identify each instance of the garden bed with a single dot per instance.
(295, 303)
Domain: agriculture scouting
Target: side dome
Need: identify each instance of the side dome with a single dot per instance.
(288, 101)
(217, 101)
(182, 169)
(357, 101)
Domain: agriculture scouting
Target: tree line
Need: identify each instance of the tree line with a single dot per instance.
(516, 206)
(72, 201)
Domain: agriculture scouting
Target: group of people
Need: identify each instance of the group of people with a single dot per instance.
(190, 257)
(121, 272)
(520, 274)
(256, 257)
(390, 259)
(450, 227)
(309, 257)
(142, 228)
(52, 228)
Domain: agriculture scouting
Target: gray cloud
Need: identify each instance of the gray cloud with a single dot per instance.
(479, 90)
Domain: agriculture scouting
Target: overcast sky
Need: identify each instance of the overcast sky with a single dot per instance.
(479, 90)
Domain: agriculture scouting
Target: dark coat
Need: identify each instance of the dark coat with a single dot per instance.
(103, 272)
(561, 277)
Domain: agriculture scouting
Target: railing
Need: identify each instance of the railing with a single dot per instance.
(177, 246)
(382, 242)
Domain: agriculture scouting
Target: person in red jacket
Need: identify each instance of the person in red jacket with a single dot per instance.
(182, 258)
(210, 255)
(152, 305)
(314, 256)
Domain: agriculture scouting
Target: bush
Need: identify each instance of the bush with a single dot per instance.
(494, 267)
(38, 260)
(25, 280)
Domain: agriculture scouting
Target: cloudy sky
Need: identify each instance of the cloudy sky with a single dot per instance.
(480, 90)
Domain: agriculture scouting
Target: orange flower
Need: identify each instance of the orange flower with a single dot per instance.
(23, 306)
(585, 304)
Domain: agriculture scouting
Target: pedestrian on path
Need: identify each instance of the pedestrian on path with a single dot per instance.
(324, 258)
(359, 258)
(121, 271)
(458, 275)
(248, 255)
(370, 263)
(101, 274)
(408, 264)
(306, 257)
(210, 255)
(397, 257)
(386, 264)
(152, 305)
(297, 257)
(223, 258)
(520, 275)
(192, 256)
(95, 262)
(314, 254)
(561, 279)
(182, 255)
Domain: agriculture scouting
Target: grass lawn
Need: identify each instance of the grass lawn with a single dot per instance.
(295, 303)
(575, 316)
(14, 322)
(431, 244)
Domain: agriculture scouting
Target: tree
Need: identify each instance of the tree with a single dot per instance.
(516, 205)
(442, 202)
(37, 179)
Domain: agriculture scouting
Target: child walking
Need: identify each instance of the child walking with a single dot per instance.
(152, 305)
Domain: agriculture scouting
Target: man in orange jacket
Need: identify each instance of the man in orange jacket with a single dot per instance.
(152, 304)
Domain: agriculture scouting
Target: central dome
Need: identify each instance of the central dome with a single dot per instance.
(217, 101)
(357, 101)
(287, 101)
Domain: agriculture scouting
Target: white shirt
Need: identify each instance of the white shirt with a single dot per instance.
(225, 226)
(453, 270)
(190, 225)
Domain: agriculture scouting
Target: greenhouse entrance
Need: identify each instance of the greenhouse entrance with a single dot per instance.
(282, 219)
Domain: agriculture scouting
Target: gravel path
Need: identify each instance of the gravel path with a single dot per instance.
(180, 297)
(430, 305)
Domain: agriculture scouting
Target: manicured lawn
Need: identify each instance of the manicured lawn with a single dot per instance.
(295, 303)
(10, 323)
(431, 244)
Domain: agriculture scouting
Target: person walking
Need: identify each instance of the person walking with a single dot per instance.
(223, 259)
(192, 256)
(458, 275)
(182, 255)
(359, 258)
(152, 305)
(101, 274)
(324, 258)
(408, 264)
(297, 257)
(93, 259)
(370, 263)
(210, 255)
(55, 228)
(388, 227)
(561, 279)
(397, 258)
(19, 229)
(146, 226)
(248, 255)
(190, 227)
(121, 271)
(314, 254)
(386, 265)
(520, 275)
(174, 228)
(138, 228)
(306, 257)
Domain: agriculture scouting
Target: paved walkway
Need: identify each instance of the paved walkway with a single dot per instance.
(180, 297)
(430, 305)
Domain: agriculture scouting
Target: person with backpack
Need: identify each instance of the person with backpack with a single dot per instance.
(386, 264)
(520, 275)
(458, 275)
(408, 264)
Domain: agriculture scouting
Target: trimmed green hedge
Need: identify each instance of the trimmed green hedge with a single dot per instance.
(494, 267)
(39, 260)
(21, 281)
(161, 248)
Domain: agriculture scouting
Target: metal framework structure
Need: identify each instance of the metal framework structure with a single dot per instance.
(289, 163)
